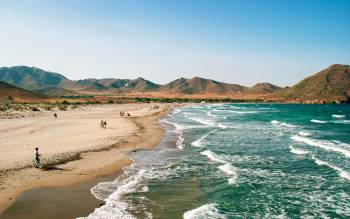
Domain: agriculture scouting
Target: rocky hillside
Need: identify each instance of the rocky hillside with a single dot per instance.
(198, 85)
(262, 88)
(9, 92)
(330, 84)
(31, 78)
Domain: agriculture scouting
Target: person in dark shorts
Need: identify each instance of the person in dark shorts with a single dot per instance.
(37, 158)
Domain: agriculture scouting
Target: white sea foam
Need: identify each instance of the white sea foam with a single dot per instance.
(287, 125)
(222, 126)
(298, 151)
(238, 107)
(305, 134)
(129, 185)
(226, 167)
(343, 121)
(338, 116)
(243, 112)
(111, 210)
(213, 156)
(180, 142)
(342, 173)
(199, 141)
(318, 121)
(230, 170)
(275, 122)
(203, 212)
(177, 126)
(176, 111)
(144, 189)
(204, 121)
(115, 207)
(326, 145)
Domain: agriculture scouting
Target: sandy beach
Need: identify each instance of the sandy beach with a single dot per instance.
(74, 147)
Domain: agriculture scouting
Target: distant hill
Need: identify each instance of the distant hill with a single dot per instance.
(138, 84)
(56, 91)
(198, 85)
(32, 78)
(9, 91)
(262, 88)
(330, 84)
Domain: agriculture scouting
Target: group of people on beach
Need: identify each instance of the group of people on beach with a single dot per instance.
(122, 114)
(103, 124)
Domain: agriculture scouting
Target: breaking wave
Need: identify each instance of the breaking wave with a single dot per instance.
(318, 121)
(213, 156)
(204, 211)
(229, 170)
(326, 145)
(298, 151)
(305, 134)
(338, 116)
(199, 141)
(342, 173)
(203, 121)
(275, 122)
(180, 142)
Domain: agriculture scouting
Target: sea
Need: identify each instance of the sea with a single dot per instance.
(238, 161)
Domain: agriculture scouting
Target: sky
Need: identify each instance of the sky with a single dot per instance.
(233, 41)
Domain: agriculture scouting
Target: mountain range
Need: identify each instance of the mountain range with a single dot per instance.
(331, 84)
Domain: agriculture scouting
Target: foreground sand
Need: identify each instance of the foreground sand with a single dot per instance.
(73, 146)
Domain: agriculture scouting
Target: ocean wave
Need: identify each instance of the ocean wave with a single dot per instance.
(326, 145)
(176, 125)
(338, 116)
(175, 111)
(222, 126)
(199, 141)
(230, 170)
(305, 134)
(275, 122)
(318, 121)
(115, 207)
(342, 173)
(213, 156)
(203, 121)
(179, 128)
(243, 112)
(112, 210)
(180, 142)
(298, 151)
(344, 121)
(204, 211)
(238, 107)
(226, 167)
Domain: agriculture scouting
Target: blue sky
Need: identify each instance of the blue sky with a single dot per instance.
(236, 41)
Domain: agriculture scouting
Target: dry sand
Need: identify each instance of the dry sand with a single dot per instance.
(73, 146)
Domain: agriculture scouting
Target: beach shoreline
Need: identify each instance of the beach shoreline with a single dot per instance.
(144, 132)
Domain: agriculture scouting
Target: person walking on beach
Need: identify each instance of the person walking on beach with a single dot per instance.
(55, 115)
(37, 158)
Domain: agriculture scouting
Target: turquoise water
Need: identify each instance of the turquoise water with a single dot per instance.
(239, 161)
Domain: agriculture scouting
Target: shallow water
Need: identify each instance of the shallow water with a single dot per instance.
(239, 161)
